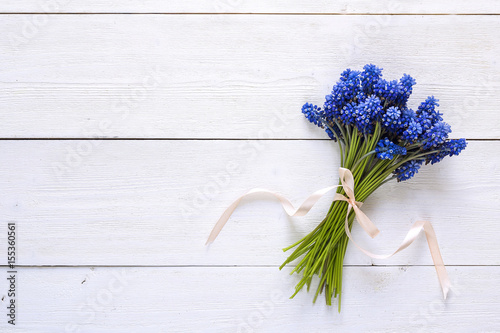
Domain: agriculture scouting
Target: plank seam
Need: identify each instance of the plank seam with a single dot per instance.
(250, 13)
(220, 266)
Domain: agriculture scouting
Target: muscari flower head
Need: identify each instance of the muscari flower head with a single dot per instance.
(346, 89)
(412, 131)
(349, 75)
(341, 95)
(330, 110)
(348, 114)
(362, 120)
(330, 134)
(366, 112)
(361, 97)
(369, 77)
(407, 115)
(410, 127)
(448, 148)
(408, 170)
(427, 113)
(372, 106)
(386, 149)
(388, 90)
(406, 83)
(336, 133)
(436, 135)
(391, 120)
(312, 113)
(364, 98)
(455, 147)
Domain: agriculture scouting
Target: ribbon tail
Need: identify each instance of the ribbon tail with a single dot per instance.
(222, 221)
(444, 280)
(366, 223)
(410, 237)
(304, 208)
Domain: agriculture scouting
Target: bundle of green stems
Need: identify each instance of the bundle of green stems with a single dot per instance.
(322, 251)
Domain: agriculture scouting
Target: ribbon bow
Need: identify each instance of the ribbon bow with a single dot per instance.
(347, 181)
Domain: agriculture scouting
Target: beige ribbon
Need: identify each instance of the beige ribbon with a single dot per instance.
(347, 181)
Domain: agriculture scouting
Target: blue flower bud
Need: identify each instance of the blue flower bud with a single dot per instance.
(391, 120)
(386, 149)
(369, 77)
(408, 170)
(435, 135)
(311, 112)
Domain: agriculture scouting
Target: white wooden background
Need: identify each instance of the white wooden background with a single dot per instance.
(128, 126)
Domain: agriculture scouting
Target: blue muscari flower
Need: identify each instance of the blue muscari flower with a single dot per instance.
(436, 135)
(449, 148)
(349, 75)
(408, 170)
(406, 116)
(412, 131)
(386, 149)
(391, 120)
(347, 88)
(410, 127)
(366, 112)
(336, 132)
(435, 158)
(343, 92)
(389, 90)
(348, 114)
(330, 134)
(330, 109)
(373, 107)
(406, 83)
(361, 97)
(427, 113)
(455, 147)
(429, 107)
(362, 120)
(424, 122)
(369, 77)
(312, 113)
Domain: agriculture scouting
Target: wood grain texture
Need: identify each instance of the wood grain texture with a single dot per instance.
(231, 76)
(252, 299)
(254, 6)
(128, 219)
(155, 202)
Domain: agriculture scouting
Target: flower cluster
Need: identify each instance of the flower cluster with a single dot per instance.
(364, 104)
(386, 149)
(381, 138)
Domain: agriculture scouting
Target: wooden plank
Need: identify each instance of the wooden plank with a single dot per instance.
(251, 299)
(256, 6)
(231, 76)
(155, 202)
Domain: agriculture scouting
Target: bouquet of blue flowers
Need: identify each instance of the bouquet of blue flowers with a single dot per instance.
(380, 139)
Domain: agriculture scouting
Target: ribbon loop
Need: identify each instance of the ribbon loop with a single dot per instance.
(287, 206)
(347, 181)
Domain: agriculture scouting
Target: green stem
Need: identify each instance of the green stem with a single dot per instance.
(322, 251)
(362, 158)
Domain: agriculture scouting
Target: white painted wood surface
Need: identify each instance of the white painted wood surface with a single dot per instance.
(136, 206)
(246, 299)
(111, 232)
(202, 76)
(254, 6)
